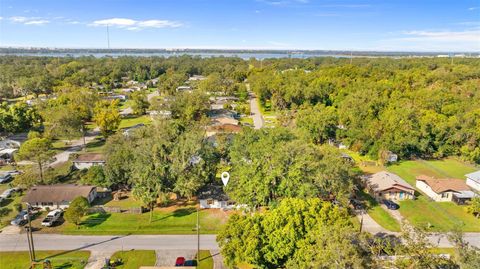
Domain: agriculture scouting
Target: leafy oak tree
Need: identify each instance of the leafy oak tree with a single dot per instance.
(107, 117)
(297, 234)
(76, 210)
(38, 150)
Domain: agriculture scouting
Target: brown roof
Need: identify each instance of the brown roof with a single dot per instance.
(90, 157)
(226, 128)
(442, 185)
(56, 193)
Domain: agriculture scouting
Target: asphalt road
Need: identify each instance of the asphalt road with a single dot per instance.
(437, 239)
(18, 242)
(255, 110)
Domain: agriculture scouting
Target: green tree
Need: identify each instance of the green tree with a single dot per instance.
(474, 207)
(38, 150)
(318, 122)
(268, 165)
(107, 117)
(139, 102)
(63, 122)
(297, 234)
(467, 256)
(95, 176)
(76, 210)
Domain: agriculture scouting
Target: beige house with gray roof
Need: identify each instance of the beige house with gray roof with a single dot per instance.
(386, 185)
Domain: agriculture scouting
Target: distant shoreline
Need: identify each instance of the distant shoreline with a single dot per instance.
(245, 54)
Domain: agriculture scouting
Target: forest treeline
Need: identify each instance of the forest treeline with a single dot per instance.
(419, 107)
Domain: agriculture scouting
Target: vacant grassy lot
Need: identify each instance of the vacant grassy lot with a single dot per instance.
(59, 259)
(133, 259)
(179, 221)
(446, 168)
(379, 214)
(205, 260)
(439, 216)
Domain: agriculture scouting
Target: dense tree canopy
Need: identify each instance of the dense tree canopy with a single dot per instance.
(297, 234)
(271, 164)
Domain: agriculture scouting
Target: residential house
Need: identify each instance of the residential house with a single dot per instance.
(222, 113)
(386, 185)
(196, 78)
(58, 196)
(445, 190)
(6, 155)
(184, 89)
(213, 130)
(225, 120)
(213, 196)
(473, 180)
(87, 160)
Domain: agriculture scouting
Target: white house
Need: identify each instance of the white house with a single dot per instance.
(445, 190)
(87, 160)
(473, 180)
(213, 196)
(58, 196)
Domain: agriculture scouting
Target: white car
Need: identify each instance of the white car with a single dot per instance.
(51, 217)
(8, 192)
(5, 177)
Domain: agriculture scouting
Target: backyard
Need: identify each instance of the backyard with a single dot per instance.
(437, 216)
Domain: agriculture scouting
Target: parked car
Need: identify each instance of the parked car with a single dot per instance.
(391, 205)
(180, 261)
(5, 177)
(8, 192)
(190, 263)
(357, 204)
(52, 217)
(20, 219)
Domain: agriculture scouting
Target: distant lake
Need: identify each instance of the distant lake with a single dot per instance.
(244, 56)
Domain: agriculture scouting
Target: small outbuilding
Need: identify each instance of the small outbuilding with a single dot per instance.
(87, 160)
(58, 195)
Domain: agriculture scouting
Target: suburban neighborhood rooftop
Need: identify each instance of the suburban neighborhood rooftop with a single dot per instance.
(441, 185)
(56, 193)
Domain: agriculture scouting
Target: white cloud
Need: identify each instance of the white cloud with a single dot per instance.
(29, 20)
(347, 6)
(445, 40)
(473, 8)
(36, 22)
(447, 36)
(131, 24)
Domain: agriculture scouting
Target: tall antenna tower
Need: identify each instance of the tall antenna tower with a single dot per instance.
(108, 38)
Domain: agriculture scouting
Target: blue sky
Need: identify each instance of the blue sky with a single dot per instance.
(388, 25)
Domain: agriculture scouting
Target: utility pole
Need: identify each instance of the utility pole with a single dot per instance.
(30, 236)
(198, 232)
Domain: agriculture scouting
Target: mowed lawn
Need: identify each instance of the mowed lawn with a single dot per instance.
(133, 259)
(58, 259)
(179, 221)
(205, 260)
(134, 120)
(379, 214)
(438, 216)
